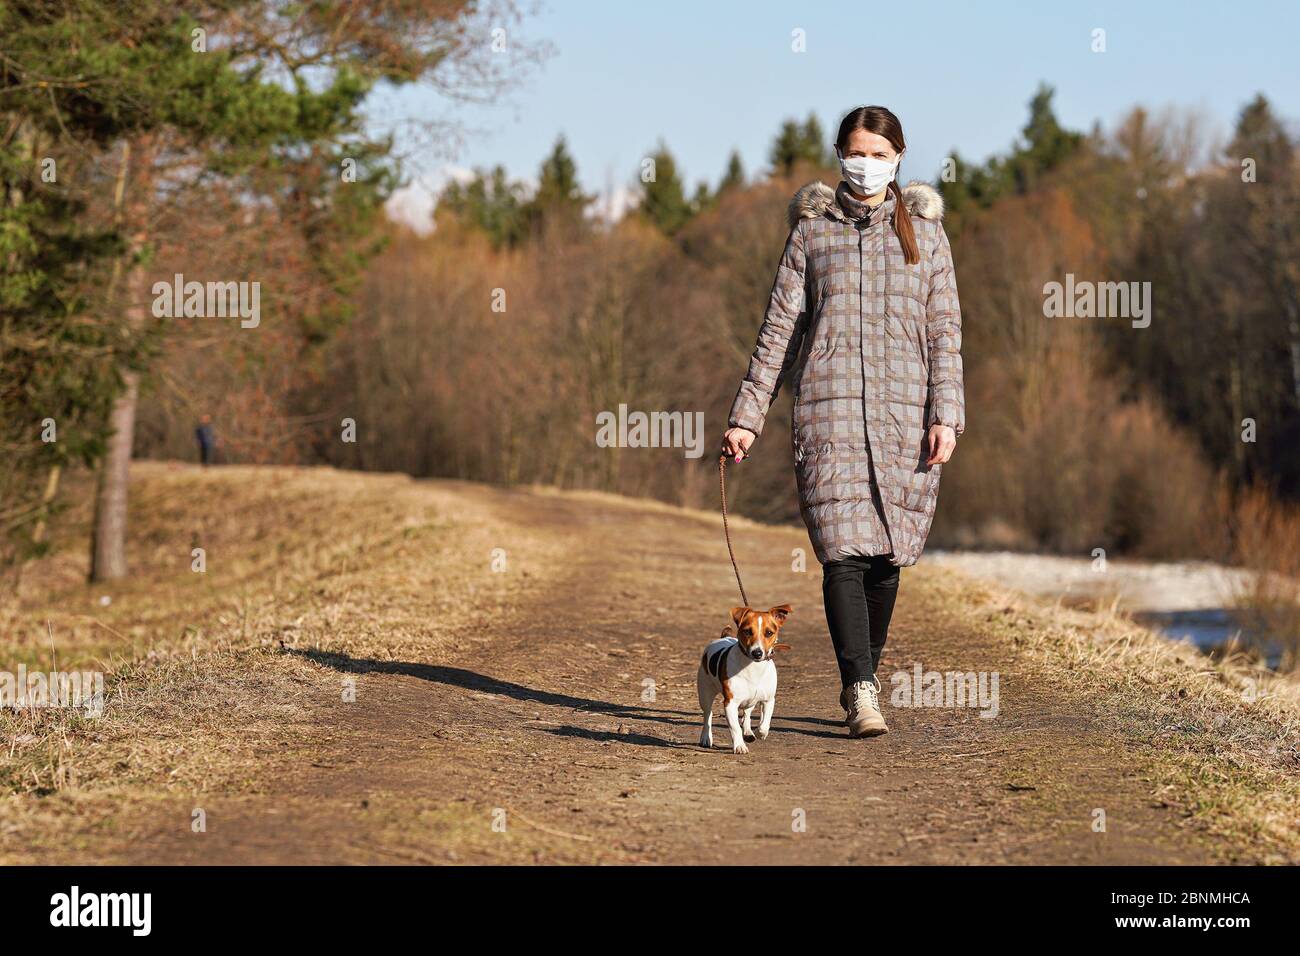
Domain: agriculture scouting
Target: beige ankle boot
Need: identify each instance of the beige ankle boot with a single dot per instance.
(861, 703)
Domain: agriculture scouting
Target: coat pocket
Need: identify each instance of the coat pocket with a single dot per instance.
(919, 488)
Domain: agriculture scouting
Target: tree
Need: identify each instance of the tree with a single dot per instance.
(70, 86)
(490, 201)
(665, 203)
(58, 363)
(202, 113)
(1269, 226)
(735, 174)
(500, 207)
(799, 143)
(558, 186)
(253, 93)
(702, 199)
(559, 202)
(977, 186)
(1044, 145)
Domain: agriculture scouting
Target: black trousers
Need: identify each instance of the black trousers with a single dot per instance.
(859, 595)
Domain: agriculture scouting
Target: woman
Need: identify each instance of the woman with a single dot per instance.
(864, 318)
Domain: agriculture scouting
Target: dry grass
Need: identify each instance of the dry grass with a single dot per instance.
(200, 697)
(1223, 736)
(1267, 537)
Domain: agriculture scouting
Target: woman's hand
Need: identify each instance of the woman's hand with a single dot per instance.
(736, 442)
(942, 442)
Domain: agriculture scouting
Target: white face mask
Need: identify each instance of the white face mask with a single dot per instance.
(868, 175)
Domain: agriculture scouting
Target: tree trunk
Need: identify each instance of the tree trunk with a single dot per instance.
(108, 540)
(47, 499)
(1293, 328)
(108, 554)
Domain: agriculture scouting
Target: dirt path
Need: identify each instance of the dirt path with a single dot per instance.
(542, 717)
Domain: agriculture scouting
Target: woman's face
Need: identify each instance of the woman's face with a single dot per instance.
(863, 143)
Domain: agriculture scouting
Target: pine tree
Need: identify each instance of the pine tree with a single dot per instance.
(702, 200)
(492, 202)
(735, 174)
(1261, 137)
(1266, 224)
(665, 203)
(815, 149)
(799, 143)
(1044, 145)
(559, 198)
(786, 148)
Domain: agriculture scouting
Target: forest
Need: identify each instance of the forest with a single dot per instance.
(488, 347)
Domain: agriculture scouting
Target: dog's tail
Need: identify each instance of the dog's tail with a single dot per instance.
(727, 632)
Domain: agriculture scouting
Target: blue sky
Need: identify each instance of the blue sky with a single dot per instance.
(709, 77)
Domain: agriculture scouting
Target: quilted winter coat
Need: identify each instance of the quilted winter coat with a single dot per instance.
(873, 347)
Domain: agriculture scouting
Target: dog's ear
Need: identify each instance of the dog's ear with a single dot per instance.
(781, 612)
(780, 647)
(738, 614)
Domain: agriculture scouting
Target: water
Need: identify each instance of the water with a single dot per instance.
(1190, 601)
(1205, 628)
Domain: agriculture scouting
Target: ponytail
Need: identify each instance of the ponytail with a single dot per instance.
(903, 226)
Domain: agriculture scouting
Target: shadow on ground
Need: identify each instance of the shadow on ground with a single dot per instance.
(483, 684)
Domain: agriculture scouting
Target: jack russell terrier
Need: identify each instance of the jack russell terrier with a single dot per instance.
(740, 669)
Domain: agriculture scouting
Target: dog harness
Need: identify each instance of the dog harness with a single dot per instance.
(715, 660)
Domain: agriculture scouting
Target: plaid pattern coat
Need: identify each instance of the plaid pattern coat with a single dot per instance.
(873, 347)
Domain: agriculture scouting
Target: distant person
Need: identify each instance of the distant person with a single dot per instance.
(864, 318)
(206, 438)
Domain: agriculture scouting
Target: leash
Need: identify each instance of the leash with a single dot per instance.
(726, 530)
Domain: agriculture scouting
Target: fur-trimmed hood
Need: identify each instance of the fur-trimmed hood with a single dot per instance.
(817, 199)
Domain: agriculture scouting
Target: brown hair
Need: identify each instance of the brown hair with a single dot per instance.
(882, 122)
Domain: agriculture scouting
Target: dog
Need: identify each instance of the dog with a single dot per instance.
(740, 669)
